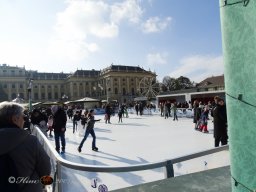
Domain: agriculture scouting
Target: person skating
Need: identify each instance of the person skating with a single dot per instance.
(49, 124)
(59, 126)
(120, 115)
(204, 119)
(89, 130)
(76, 118)
(174, 108)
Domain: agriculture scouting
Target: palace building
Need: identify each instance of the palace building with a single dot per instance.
(116, 82)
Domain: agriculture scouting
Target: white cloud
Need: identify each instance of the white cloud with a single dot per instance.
(199, 67)
(150, 2)
(83, 19)
(157, 58)
(155, 24)
(128, 10)
(80, 19)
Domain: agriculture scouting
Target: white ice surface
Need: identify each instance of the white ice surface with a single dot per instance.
(138, 140)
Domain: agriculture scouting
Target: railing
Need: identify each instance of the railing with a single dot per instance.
(57, 161)
(181, 112)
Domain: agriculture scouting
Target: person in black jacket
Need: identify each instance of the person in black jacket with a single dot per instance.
(197, 114)
(59, 126)
(220, 123)
(27, 156)
(89, 130)
(108, 112)
(76, 118)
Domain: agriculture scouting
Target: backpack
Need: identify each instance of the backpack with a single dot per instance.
(8, 174)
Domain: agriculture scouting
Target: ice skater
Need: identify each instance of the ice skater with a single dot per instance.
(89, 130)
(120, 115)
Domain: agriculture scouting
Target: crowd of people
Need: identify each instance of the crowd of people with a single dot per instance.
(217, 110)
(15, 125)
(201, 116)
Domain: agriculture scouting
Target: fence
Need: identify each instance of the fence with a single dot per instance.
(58, 163)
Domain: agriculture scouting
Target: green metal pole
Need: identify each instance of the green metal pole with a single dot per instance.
(238, 22)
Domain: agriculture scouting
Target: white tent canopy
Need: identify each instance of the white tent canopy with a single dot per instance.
(86, 99)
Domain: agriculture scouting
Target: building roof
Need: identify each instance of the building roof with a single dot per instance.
(90, 73)
(37, 75)
(212, 81)
(124, 68)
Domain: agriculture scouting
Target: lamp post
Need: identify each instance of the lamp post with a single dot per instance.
(101, 88)
(98, 90)
(107, 89)
(30, 95)
(64, 98)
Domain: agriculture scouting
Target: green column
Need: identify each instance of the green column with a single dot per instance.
(238, 22)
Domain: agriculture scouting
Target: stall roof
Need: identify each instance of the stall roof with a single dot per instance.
(85, 99)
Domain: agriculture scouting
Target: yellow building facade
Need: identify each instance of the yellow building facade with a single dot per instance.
(116, 82)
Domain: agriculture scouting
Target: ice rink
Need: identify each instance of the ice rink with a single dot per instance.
(138, 140)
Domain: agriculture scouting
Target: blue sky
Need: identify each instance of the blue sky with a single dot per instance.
(170, 37)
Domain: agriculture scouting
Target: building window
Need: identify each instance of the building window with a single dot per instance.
(49, 86)
(21, 86)
(13, 95)
(115, 79)
(49, 95)
(124, 91)
(55, 95)
(13, 86)
(116, 91)
(36, 96)
(133, 92)
(42, 86)
(5, 86)
(43, 96)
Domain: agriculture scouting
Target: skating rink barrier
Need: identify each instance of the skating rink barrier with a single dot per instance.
(59, 165)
